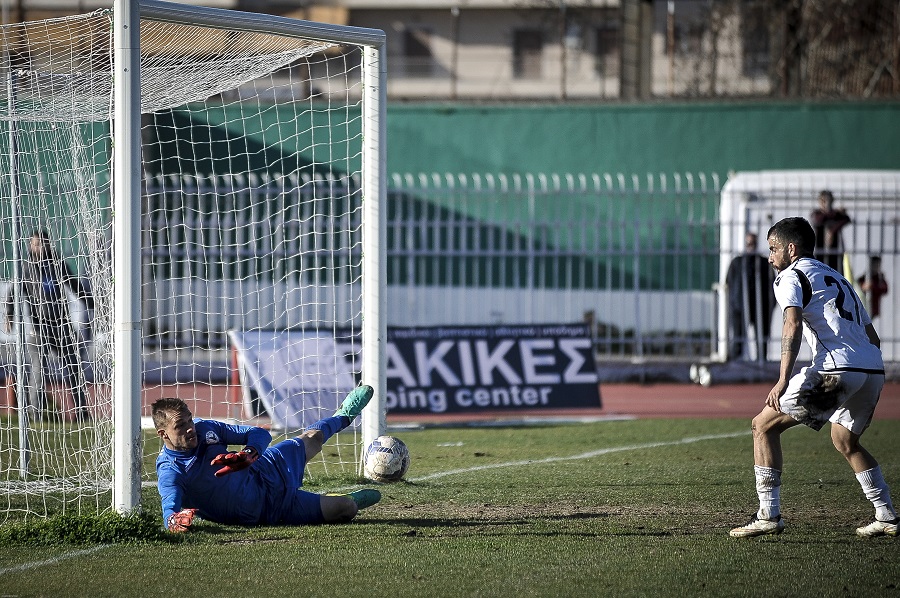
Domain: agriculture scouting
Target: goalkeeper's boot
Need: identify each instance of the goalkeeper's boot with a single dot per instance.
(364, 498)
(353, 405)
(367, 497)
(759, 527)
(878, 528)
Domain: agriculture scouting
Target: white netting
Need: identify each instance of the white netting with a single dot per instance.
(62, 67)
(251, 149)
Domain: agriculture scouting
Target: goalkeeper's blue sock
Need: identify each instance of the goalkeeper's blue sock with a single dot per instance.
(330, 425)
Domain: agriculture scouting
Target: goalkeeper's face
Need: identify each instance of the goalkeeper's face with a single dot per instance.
(179, 433)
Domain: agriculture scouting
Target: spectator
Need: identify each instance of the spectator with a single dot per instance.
(750, 300)
(827, 223)
(45, 277)
(874, 286)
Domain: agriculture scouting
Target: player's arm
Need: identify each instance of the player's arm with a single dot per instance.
(11, 305)
(77, 285)
(175, 519)
(247, 436)
(255, 440)
(791, 339)
(843, 219)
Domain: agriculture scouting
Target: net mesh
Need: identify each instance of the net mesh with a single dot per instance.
(251, 150)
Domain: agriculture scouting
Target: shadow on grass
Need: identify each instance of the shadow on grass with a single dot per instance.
(527, 525)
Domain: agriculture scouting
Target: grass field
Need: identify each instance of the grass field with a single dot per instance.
(617, 508)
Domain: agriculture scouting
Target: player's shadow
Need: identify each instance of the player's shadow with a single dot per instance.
(421, 522)
(236, 534)
(415, 526)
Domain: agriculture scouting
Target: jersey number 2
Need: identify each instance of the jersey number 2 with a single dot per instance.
(839, 302)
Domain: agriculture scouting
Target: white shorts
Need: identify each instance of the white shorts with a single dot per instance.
(846, 398)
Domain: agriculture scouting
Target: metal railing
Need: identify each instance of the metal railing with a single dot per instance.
(637, 256)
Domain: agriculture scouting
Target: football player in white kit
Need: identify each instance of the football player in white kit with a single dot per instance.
(841, 385)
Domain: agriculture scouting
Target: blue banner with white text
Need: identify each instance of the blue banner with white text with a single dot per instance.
(467, 369)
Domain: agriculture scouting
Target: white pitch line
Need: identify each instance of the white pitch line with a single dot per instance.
(53, 561)
(587, 455)
(441, 474)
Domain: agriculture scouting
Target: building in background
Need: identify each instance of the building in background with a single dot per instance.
(589, 50)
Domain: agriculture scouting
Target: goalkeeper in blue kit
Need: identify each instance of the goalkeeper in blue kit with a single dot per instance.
(260, 484)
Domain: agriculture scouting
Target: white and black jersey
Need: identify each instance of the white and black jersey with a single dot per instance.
(834, 318)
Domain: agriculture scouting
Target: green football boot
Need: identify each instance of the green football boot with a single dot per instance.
(355, 402)
(364, 498)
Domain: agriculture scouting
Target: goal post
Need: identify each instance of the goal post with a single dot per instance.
(372, 173)
(126, 170)
(207, 172)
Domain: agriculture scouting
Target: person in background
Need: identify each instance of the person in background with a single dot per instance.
(45, 278)
(827, 221)
(750, 301)
(841, 385)
(874, 286)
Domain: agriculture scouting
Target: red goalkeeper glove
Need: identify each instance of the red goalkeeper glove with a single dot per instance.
(181, 521)
(235, 461)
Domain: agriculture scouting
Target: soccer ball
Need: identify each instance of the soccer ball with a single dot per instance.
(386, 459)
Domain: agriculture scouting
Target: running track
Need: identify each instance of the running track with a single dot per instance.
(664, 400)
(689, 400)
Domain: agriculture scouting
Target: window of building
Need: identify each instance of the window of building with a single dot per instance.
(528, 48)
(606, 50)
(756, 57)
(418, 59)
(688, 38)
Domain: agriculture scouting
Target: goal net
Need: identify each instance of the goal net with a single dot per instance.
(257, 185)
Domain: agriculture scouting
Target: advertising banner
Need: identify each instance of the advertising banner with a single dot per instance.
(298, 376)
(466, 369)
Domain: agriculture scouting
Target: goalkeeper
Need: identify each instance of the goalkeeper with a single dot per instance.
(259, 485)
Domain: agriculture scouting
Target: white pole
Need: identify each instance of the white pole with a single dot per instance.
(374, 275)
(727, 201)
(18, 324)
(127, 371)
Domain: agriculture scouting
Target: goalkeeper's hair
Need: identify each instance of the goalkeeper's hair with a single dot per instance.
(163, 409)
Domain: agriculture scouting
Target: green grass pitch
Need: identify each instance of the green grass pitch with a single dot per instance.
(618, 508)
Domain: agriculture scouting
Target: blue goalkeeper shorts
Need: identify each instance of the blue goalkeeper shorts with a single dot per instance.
(280, 468)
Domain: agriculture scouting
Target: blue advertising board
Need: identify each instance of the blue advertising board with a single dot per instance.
(457, 369)
(300, 376)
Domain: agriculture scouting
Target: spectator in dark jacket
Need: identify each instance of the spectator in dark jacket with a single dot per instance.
(750, 301)
(44, 279)
(828, 221)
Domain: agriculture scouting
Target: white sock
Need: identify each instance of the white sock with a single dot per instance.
(878, 493)
(768, 488)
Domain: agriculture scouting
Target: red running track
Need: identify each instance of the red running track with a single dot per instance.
(690, 400)
(664, 400)
(670, 400)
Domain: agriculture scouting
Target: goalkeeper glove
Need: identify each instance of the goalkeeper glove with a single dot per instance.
(181, 521)
(235, 461)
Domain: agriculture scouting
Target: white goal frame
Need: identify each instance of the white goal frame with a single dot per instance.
(127, 205)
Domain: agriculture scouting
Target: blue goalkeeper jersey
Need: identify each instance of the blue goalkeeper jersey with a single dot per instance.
(186, 480)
